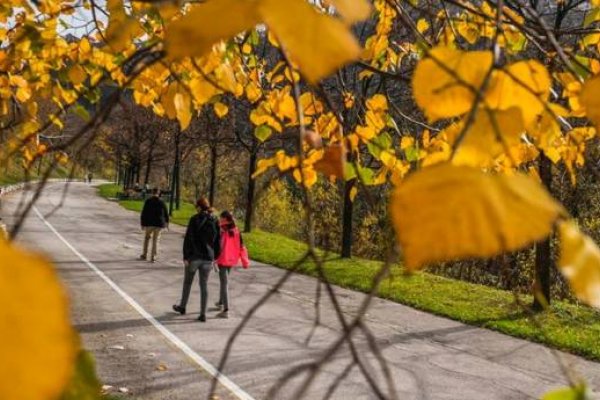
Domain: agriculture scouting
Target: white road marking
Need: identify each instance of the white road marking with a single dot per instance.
(223, 380)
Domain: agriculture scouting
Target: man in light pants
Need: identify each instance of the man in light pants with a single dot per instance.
(154, 218)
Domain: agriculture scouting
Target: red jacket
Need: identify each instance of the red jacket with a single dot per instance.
(233, 253)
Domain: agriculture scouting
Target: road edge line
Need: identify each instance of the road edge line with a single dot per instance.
(180, 344)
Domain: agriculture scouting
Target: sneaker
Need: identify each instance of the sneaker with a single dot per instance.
(202, 318)
(218, 304)
(223, 314)
(179, 309)
(153, 260)
(143, 257)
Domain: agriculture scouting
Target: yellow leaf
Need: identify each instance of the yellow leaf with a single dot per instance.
(422, 25)
(182, 103)
(377, 103)
(221, 109)
(202, 91)
(443, 83)
(37, 344)
(590, 100)
(77, 74)
(167, 101)
(318, 43)
(121, 29)
(491, 133)
(366, 133)
(308, 176)
(353, 193)
(23, 94)
(352, 10)
(524, 84)
(205, 24)
(348, 100)
(447, 212)
(580, 263)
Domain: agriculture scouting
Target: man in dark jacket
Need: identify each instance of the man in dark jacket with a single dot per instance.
(154, 218)
(201, 247)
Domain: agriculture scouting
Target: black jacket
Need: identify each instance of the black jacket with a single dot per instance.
(155, 213)
(202, 239)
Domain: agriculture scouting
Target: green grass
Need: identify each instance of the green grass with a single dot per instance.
(566, 326)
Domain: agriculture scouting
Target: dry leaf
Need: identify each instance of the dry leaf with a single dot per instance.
(333, 161)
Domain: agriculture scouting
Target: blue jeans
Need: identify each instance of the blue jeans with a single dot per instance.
(203, 267)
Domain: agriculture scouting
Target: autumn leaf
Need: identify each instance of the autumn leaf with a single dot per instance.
(577, 392)
(37, 344)
(121, 29)
(447, 212)
(263, 132)
(182, 103)
(525, 85)
(333, 161)
(221, 109)
(490, 134)
(580, 263)
(204, 25)
(318, 43)
(445, 83)
(590, 99)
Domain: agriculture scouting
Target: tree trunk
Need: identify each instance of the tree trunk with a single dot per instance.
(347, 219)
(148, 169)
(175, 178)
(250, 195)
(178, 183)
(172, 189)
(213, 174)
(543, 251)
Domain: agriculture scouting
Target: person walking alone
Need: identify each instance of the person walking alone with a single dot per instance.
(201, 247)
(154, 218)
(232, 254)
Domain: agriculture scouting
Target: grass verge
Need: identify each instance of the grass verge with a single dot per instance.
(566, 326)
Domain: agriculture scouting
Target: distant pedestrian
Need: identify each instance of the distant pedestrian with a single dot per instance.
(201, 247)
(233, 253)
(154, 218)
(90, 176)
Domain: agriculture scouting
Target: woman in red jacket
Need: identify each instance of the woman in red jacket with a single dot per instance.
(232, 254)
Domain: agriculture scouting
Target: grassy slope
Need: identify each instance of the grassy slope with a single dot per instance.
(15, 173)
(566, 326)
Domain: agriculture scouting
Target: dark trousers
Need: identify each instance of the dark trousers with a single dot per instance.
(203, 267)
(224, 279)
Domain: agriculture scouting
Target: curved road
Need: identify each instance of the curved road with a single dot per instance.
(122, 308)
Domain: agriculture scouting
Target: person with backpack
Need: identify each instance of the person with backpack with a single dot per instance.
(201, 247)
(154, 218)
(232, 254)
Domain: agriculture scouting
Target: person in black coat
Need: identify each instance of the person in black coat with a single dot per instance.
(154, 218)
(201, 247)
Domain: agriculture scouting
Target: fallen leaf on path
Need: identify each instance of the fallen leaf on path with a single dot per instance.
(162, 367)
(106, 388)
(123, 390)
(118, 347)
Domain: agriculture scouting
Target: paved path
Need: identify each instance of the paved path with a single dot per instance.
(430, 357)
